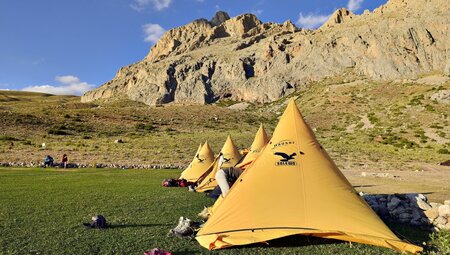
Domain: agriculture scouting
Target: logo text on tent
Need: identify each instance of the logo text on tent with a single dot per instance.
(282, 143)
(286, 159)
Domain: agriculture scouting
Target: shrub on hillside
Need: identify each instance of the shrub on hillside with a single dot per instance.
(443, 151)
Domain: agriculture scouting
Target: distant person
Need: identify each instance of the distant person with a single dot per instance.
(64, 161)
(48, 161)
(226, 176)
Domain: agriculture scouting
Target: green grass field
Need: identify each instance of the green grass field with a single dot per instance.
(42, 211)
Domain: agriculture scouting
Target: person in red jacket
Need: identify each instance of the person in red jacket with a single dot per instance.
(64, 160)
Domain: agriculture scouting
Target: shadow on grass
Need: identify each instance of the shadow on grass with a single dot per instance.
(292, 241)
(137, 225)
(364, 186)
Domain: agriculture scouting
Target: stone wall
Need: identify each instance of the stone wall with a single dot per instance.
(75, 165)
(412, 209)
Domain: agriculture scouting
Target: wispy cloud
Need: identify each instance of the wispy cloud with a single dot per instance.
(354, 5)
(38, 61)
(140, 5)
(152, 32)
(311, 20)
(69, 85)
(257, 12)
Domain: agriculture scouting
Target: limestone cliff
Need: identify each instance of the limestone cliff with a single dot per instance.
(242, 58)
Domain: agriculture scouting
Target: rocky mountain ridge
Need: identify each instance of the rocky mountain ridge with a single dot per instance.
(244, 59)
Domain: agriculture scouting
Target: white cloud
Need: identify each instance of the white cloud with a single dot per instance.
(161, 4)
(257, 12)
(70, 85)
(354, 5)
(152, 32)
(140, 5)
(67, 79)
(311, 20)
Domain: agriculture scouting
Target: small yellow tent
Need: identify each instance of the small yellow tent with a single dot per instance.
(231, 156)
(261, 139)
(190, 165)
(295, 188)
(202, 160)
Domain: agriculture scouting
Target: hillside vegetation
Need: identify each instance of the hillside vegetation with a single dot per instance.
(386, 125)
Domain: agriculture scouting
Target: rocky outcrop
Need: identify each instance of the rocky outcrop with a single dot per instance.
(338, 17)
(243, 59)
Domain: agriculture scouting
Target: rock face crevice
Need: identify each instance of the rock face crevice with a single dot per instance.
(244, 59)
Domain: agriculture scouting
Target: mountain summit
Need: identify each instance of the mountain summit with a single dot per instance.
(242, 58)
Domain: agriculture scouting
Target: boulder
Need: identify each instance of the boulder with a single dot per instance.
(443, 96)
(432, 213)
(440, 221)
(444, 210)
(393, 203)
(422, 204)
(435, 205)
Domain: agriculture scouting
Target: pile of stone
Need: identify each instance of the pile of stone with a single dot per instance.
(76, 165)
(161, 166)
(412, 209)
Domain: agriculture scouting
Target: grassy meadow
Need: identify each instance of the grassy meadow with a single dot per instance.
(41, 212)
(387, 127)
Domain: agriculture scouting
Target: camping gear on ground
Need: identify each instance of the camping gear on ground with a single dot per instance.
(98, 221)
(294, 187)
(201, 162)
(176, 183)
(157, 251)
(186, 228)
(231, 156)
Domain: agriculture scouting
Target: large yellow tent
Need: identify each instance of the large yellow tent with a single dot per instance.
(231, 156)
(201, 162)
(261, 139)
(294, 187)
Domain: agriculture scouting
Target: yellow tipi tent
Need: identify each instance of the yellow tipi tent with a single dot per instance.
(261, 139)
(231, 156)
(202, 160)
(295, 188)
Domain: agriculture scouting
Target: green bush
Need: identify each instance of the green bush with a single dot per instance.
(429, 108)
(439, 243)
(144, 127)
(54, 131)
(443, 151)
(8, 138)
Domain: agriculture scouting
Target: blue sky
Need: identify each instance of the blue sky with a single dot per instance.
(70, 46)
